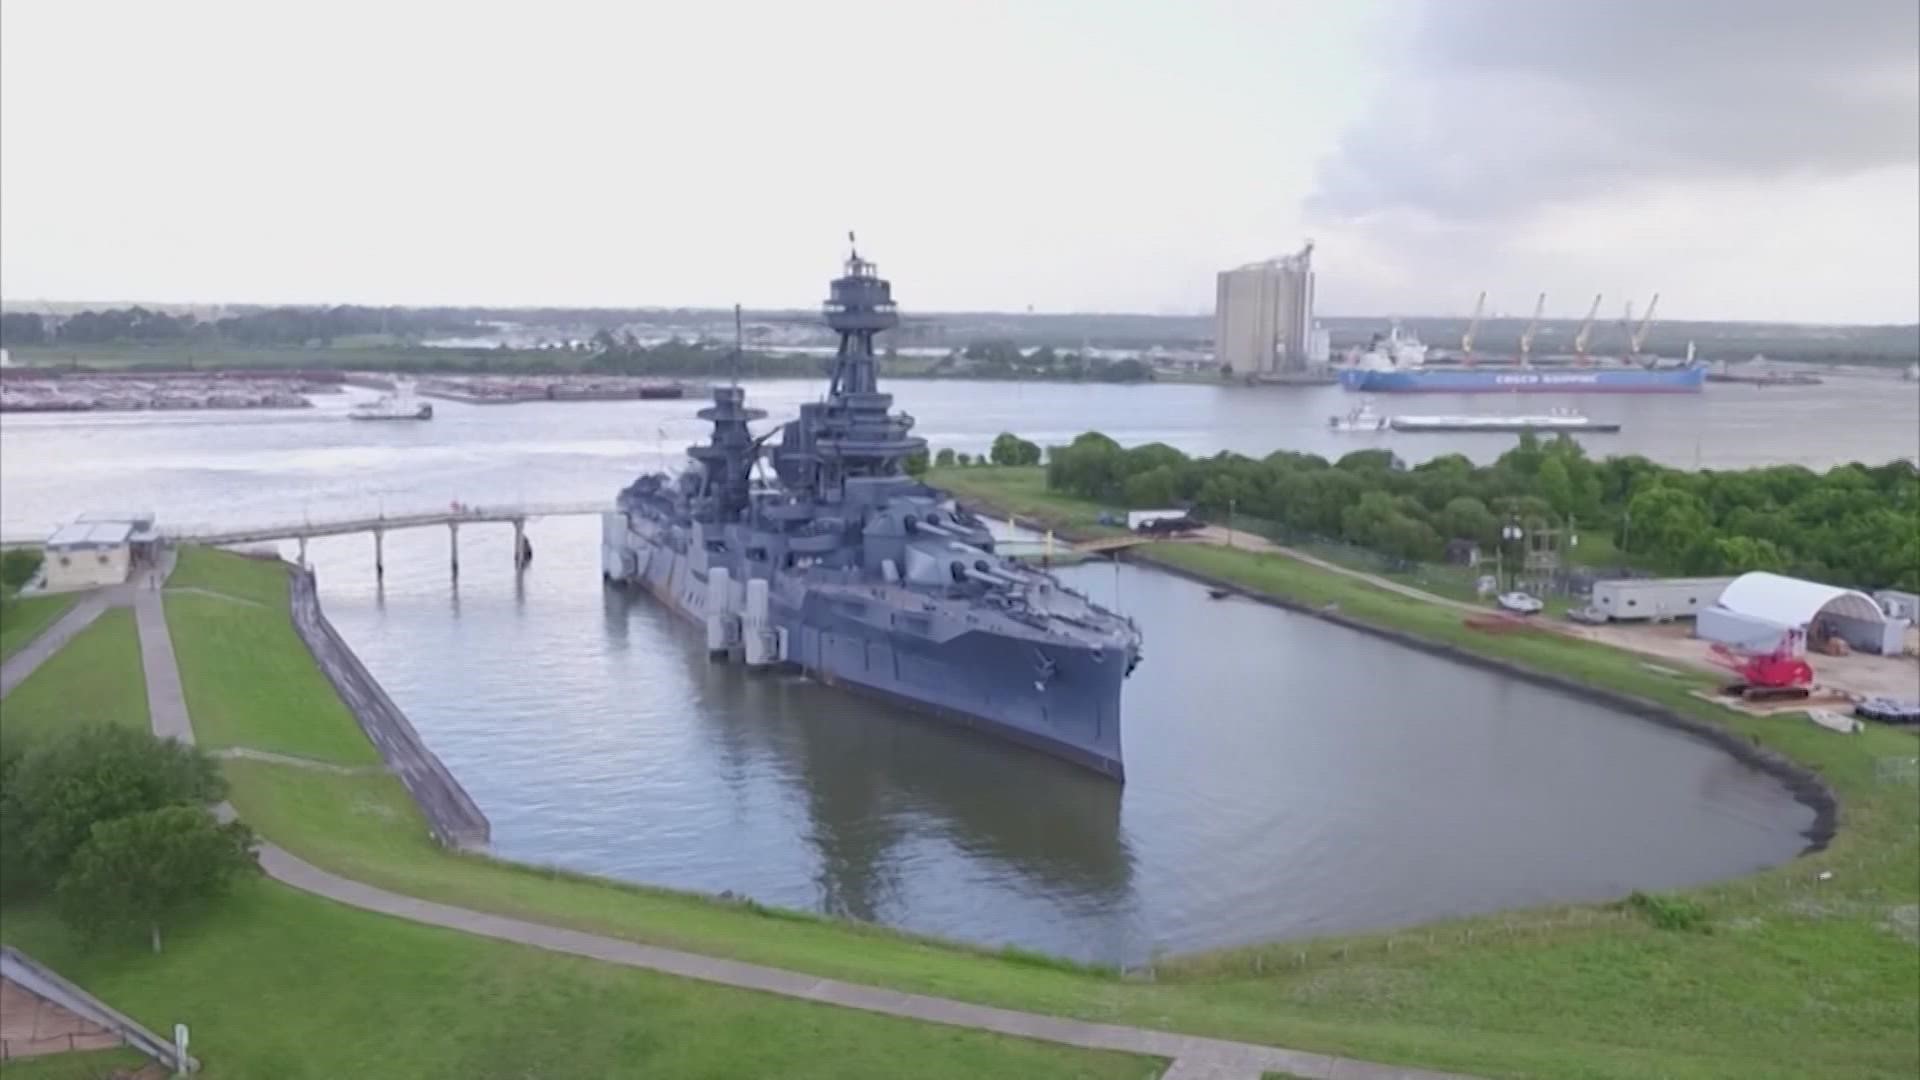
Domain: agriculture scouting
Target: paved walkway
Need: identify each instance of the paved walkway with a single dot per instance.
(1192, 1057)
(166, 703)
(53, 638)
(250, 754)
(1246, 541)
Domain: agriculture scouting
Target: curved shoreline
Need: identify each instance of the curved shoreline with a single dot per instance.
(1804, 784)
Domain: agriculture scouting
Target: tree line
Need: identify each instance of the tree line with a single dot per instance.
(268, 326)
(1853, 525)
(1004, 359)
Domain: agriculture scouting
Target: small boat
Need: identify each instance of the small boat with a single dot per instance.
(399, 405)
(1833, 721)
(1555, 420)
(1219, 594)
(1361, 418)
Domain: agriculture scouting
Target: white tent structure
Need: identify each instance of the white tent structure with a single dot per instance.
(1760, 599)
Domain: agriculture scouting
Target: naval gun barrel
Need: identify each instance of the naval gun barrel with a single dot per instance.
(984, 571)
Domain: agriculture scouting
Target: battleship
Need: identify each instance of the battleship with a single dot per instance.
(842, 566)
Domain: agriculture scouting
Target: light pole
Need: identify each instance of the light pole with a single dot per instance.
(1510, 536)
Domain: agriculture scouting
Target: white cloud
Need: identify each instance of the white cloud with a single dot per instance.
(1755, 160)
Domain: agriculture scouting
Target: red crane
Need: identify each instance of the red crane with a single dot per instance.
(1778, 674)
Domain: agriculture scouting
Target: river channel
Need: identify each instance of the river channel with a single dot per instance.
(1286, 777)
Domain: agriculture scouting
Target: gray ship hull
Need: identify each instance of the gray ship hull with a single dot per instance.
(856, 637)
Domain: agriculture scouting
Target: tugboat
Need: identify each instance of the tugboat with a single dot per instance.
(399, 405)
(1363, 417)
(847, 569)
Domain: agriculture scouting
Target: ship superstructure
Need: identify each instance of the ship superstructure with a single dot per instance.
(847, 568)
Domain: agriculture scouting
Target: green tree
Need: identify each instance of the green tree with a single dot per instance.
(1153, 455)
(18, 566)
(1467, 518)
(1011, 449)
(916, 463)
(1555, 486)
(1665, 522)
(1156, 487)
(15, 871)
(1092, 466)
(63, 788)
(1367, 461)
(944, 459)
(150, 868)
(1739, 554)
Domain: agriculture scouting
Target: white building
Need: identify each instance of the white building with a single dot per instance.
(1658, 599)
(1263, 316)
(1758, 609)
(96, 550)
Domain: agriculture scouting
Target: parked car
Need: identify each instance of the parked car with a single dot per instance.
(1589, 614)
(1520, 603)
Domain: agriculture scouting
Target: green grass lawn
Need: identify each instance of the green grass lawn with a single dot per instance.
(1796, 978)
(263, 581)
(248, 677)
(1021, 489)
(276, 983)
(94, 679)
(23, 617)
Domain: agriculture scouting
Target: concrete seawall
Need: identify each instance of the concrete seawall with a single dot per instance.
(452, 814)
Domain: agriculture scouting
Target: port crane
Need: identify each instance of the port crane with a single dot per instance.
(1473, 325)
(1638, 342)
(1586, 332)
(1526, 336)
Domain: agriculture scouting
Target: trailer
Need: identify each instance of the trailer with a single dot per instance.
(1656, 599)
(1142, 519)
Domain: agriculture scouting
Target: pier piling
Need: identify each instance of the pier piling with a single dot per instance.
(453, 546)
(379, 553)
(303, 550)
(519, 543)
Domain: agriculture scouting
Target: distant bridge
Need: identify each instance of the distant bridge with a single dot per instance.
(306, 528)
(455, 515)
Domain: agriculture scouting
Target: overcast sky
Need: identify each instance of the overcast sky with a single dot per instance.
(1749, 159)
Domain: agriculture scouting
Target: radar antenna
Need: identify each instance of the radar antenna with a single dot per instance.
(736, 346)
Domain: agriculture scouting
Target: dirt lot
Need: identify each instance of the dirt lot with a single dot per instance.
(1860, 674)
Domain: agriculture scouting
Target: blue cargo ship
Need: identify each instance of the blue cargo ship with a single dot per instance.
(1397, 364)
(1621, 380)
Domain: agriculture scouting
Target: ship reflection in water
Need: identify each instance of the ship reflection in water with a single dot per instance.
(873, 790)
(893, 804)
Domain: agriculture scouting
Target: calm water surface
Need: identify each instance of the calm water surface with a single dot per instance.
(1285, 777)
